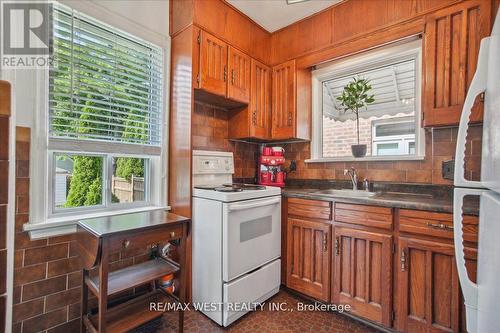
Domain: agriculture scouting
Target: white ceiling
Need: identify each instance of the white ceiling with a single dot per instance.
(273, 15)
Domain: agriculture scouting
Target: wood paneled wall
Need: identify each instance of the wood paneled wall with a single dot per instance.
(181, 104)
(346, 22)
(224, 21)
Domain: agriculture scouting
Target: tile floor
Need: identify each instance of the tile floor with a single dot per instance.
(264, 321)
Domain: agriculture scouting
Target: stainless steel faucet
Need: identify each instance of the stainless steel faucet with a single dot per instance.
(354, 177)
(366, 184)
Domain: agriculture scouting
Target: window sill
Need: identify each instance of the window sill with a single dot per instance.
(65, 225)
(362, 159)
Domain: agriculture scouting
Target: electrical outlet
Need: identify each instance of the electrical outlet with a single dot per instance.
(448, 169)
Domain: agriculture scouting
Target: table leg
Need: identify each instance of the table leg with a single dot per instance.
(183, 274)
(84, 301)
(103, 289)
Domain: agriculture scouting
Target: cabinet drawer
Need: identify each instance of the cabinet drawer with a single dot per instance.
(313, 209)
(370, 216)
(128, 241)
(436, 224)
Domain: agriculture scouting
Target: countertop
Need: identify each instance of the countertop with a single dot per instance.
(425, 202)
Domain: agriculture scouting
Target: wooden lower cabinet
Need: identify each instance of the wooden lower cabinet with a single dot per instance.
(363, 273)
(428, 287)
(308, 257)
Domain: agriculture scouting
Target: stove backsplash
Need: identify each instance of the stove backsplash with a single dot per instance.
(440, 147)
(210, 132)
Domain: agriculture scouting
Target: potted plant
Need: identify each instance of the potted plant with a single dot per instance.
(353, 98)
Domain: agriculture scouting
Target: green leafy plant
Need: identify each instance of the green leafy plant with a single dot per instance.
(355, 96)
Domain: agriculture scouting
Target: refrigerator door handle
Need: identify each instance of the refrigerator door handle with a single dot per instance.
(469, 288)
(477, 86)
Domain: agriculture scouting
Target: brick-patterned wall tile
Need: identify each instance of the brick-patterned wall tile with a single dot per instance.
(70, 326)
(22, 241)
(63, 298)
(46, 253)
(440, 145)
(4, 179)
(29, 274)
(4, 138)
(63, 266)
(210, 131)
(45, 321)
(43, 288)
(74, 311)
(3, 306)
(27, 310)
(3, 272)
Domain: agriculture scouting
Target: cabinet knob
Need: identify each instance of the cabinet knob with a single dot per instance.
(125, 243)
(172, 234)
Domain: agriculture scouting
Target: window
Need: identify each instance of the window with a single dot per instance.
(105, 117)
(389, 125)
(395, 136)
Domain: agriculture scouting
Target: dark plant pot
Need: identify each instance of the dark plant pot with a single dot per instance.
(358, 150)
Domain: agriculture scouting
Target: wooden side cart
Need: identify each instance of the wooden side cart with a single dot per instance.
(98, 238)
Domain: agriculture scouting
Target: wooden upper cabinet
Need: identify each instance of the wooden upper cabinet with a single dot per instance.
(254, 120)
(451, 46)
(238, 87)
(428, 295)
(284, 97)
(260, 100)
(308, 257)
(363, 273)
(213, 64)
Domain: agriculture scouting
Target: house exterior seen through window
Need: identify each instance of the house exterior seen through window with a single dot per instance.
(389, 125)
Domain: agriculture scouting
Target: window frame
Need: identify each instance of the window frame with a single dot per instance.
(407, 49)
(42, 223)
(107, 177)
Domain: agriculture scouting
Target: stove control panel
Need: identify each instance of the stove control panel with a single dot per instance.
(207, 162)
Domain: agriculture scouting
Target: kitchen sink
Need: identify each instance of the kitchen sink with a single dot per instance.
(346, 193)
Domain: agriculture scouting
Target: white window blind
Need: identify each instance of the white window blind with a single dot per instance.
(105, 85)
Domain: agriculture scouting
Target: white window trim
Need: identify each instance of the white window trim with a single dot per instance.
(41, 223)
(380, 57)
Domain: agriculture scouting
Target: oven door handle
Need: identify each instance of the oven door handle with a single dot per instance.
(260, 203)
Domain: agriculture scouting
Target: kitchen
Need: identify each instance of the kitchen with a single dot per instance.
(279, 165)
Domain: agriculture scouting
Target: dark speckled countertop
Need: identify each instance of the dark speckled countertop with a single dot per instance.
(428, 197)
(435, 202)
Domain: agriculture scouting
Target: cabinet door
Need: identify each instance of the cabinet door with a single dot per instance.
(363, 273)
(284, 96)
(451, 46)
(308, 258)
(428, 287)
(238, 87)
(213, 64)
(260, 101)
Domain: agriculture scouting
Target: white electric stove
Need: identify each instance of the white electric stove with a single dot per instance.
(236, 239)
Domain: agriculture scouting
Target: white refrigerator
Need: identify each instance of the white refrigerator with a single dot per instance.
(482, 299)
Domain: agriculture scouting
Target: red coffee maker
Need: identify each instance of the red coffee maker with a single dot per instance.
(270, 169)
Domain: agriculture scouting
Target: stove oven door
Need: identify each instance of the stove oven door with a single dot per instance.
(251, 235)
